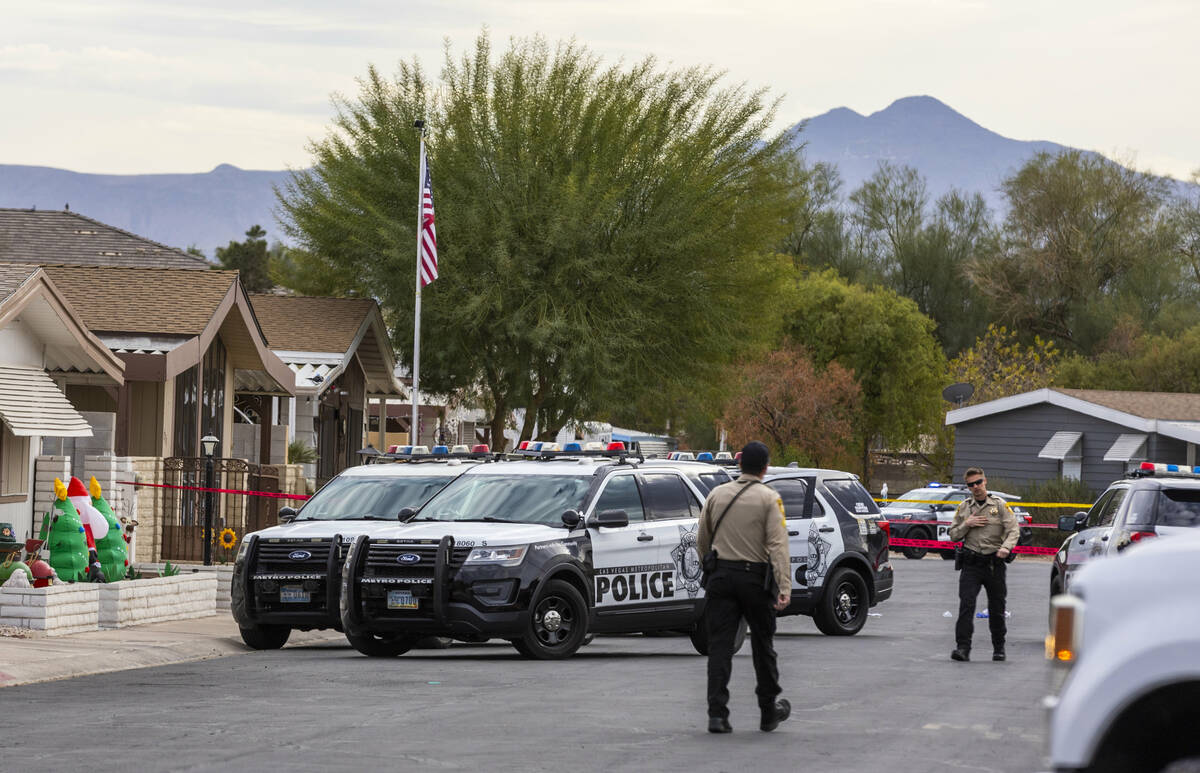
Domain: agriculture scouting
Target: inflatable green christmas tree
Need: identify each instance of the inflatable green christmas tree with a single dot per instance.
(67, 542)
(111, 547)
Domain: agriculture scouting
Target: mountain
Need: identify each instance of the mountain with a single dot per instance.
(211, 209)
(949, 149)
(207, 210)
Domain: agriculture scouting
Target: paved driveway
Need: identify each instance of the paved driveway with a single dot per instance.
(887, 699)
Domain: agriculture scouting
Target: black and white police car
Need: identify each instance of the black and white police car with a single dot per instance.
(547, 550)
(289, 576)
(1156, 500)
(938, 502)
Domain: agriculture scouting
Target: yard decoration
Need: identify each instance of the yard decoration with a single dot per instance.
(66, 541)
(94, 526)
(13, 566)
(19, 578)
(111, 547)
(43, 573)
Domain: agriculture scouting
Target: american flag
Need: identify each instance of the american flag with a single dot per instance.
(428, 237)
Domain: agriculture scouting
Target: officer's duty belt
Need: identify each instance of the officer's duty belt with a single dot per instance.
(752, 567)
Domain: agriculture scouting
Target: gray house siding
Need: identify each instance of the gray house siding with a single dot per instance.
(1006, 445)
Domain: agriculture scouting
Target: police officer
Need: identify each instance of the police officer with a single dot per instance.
(743, 521)
(988, 531)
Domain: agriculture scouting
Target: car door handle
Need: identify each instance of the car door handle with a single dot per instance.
(645, 537)
(826, 529)
(1104, 538)
(793, 534)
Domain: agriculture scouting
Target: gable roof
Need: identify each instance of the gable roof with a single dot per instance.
(1172, 414)
(310, 324)
(143, 300)
(53, 237)
(12, 276)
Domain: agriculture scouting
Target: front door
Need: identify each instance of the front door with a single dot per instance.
(622, 556)
(672, 512)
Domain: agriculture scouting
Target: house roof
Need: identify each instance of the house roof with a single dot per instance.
(310, 324)
(67, 346)
(1172, 414)
(320, 337)
(51, 237)
(143, 300)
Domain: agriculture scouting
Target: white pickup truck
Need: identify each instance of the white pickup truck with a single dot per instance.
(1130, 633)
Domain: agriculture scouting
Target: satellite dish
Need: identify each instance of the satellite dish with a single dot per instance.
(958, 393)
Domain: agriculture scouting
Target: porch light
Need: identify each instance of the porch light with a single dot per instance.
(208, 445)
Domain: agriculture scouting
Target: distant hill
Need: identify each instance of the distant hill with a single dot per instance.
(949, 149)
(213, 208)
(207, 210)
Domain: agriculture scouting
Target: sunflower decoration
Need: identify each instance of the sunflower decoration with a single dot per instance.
(228, 538)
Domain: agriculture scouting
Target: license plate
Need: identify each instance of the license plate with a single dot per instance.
(401, 599)
(294, 594)
(944, 533)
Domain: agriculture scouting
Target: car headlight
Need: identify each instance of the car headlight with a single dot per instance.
(510, 556)
(242, 547)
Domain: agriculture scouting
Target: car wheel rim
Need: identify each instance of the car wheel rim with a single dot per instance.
(553, 621)
(846, 603)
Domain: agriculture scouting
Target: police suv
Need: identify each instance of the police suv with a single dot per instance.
(1156, 500)
(545, 550)
(289, 576)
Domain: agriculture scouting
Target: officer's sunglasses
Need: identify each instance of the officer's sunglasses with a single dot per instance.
(974, 483)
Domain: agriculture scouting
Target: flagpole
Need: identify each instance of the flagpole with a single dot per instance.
(414, 428)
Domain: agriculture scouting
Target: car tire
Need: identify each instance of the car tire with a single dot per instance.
(382, 645)
(916, 553)
(842, 608)
(433, 643)
(699, 636)
(265, 637)
(557, 623)
(947, 554)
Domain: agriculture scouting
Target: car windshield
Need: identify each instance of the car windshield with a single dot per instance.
(508, 499)
(924, 497)
(354, 497)
(1179, 507)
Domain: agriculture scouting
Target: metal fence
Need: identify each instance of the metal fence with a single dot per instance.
(183, 508)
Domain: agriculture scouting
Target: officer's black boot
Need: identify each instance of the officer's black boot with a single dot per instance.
(998, 653)
(719, 725)
(960, 654)
(781, 710)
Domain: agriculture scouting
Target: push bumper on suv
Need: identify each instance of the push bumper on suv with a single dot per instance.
(386, 590)
(292, 582)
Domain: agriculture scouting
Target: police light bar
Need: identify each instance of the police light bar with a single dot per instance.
(419, 450)
(934, 484)
(480, 448)
(392, 449)
(536, 445)
(1173, 470)
(460, 449)
(723, 456)
(685, 456)
(440, 450)
(616, 445)
(593, 446)
(572, 447)
(704, 456)
(524, 445)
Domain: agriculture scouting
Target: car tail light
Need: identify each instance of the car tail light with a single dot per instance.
(885, 527)
(1029, 519)
(1066, 628)
(1138, 536)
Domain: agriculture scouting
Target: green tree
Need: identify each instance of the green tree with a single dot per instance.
(1085, 241)
(250, 259)
(999, 365)
(600, 229)
(1149, 363)
(887, 343)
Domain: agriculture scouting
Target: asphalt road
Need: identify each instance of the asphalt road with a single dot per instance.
(887, 699)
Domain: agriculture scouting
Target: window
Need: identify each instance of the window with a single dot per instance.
(707, 481)
(1141, 508)
(187, 394)
(14, 464)
(850, 494)
(621, 493)
(666, 496)
(793, 491)
(1179, 507)
(212, 409)
(1108, 514)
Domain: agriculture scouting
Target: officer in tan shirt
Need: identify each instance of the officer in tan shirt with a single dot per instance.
(744, 522)
(988, 531)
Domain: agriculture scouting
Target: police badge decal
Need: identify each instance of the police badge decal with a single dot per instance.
(687, 560)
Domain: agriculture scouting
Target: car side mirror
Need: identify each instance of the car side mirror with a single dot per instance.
(287, 514)
(572, 518)
(610, 518)
(1071, 522)
(405, 514)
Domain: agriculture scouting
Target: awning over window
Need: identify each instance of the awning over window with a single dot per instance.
(1127, 447)
(31, 405)
(1063, 445)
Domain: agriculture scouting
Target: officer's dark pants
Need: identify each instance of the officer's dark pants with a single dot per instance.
(988, 572)
(731, 596)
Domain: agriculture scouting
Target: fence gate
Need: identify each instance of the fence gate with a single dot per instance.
(183, 510)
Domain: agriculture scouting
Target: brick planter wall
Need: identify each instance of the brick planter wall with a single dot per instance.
(153, 600)
(58, 609)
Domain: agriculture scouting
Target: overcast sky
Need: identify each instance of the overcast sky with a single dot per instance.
(132, 86)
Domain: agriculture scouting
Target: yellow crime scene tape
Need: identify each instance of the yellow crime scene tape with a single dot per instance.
(1016, 503)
